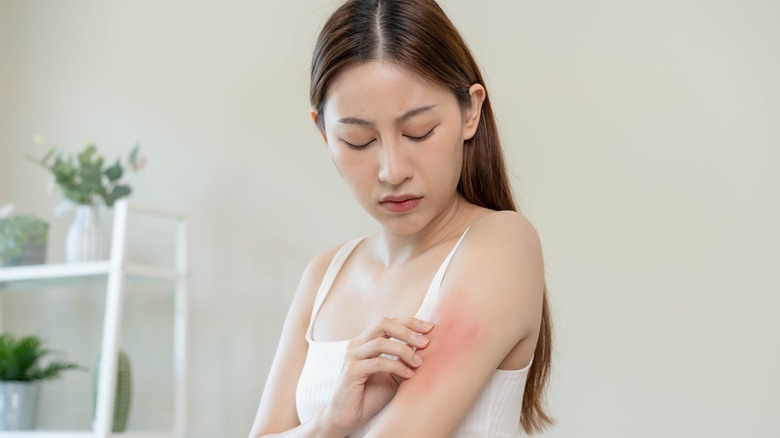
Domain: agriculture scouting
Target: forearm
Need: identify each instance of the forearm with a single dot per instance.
(317, 427)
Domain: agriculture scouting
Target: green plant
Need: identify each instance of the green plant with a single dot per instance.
(21, 360)
(123, 391)
(19, 234)
(83, 178)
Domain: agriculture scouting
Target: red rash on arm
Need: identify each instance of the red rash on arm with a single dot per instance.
(456, 334)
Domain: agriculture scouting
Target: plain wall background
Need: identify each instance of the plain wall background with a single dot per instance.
(642, 139)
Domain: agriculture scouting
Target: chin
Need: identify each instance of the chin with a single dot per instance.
(405, 225)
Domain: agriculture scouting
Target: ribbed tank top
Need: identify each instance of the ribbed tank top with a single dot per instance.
(495, 413)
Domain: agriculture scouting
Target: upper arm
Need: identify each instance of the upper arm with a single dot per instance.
(277, 411)
(491, 298)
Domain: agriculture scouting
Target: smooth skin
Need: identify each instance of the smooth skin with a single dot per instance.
(392, 133)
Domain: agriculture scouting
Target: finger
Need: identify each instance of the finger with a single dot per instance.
(382, 364)
(405, 330)
(418, 325)
(380, 346)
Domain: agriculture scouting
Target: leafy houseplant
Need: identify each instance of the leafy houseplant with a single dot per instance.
(84, 179)
(21, 369)
(23, 240)
(21, 360)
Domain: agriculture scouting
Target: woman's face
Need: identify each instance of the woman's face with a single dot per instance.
(397, 139)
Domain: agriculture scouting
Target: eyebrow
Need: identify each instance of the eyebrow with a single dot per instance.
(403, 117)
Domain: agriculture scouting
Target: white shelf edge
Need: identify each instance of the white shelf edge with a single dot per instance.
(79, 434)
(155, 211)
(54, 270)
(83, 269)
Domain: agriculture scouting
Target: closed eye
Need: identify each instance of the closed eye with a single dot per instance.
(357, 146)
(423, 137)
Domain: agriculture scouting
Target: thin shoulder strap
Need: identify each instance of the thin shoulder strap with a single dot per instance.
(432, 296)
(327, 281)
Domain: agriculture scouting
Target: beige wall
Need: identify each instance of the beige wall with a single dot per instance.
(642, 139)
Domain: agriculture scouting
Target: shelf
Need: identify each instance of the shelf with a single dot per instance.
(54, 271)
(115, 273)
(79, 434)
(61, 271)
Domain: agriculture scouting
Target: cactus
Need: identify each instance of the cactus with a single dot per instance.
(123, 391)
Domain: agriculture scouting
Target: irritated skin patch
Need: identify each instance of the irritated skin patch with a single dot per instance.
(453, 341)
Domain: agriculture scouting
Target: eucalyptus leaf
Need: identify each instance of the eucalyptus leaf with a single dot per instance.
(134, 155)
(86, 156)
(114, 172)
(116, 193)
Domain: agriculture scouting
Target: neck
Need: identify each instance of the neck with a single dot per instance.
(394, 248)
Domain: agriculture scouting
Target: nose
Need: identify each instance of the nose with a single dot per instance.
(395, 165)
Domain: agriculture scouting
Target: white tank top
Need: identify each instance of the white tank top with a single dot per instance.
(495, 413)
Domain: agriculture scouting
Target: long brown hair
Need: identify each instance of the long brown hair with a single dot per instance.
(418, 35)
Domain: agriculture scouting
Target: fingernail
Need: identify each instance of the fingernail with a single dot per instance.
(409, 372)
(422, 339)
(427, 325)
(416, 360)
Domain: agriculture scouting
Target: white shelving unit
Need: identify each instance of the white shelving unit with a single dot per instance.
(116, 270)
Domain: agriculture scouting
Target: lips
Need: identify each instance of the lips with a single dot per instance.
(400, 203)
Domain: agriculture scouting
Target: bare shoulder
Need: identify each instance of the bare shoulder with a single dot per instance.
(310, 280)
(499, 267)
(319, 264)
(510, 227)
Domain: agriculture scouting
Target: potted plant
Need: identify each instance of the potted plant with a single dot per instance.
(22, 369)
(22, 240)
(86, 181)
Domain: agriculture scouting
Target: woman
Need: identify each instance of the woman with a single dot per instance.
(438, 325)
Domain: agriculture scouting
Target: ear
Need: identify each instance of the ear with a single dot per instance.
(314, 116)
(474, 111)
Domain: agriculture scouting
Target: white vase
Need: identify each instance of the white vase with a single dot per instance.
(18, 405)
(85, 240)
